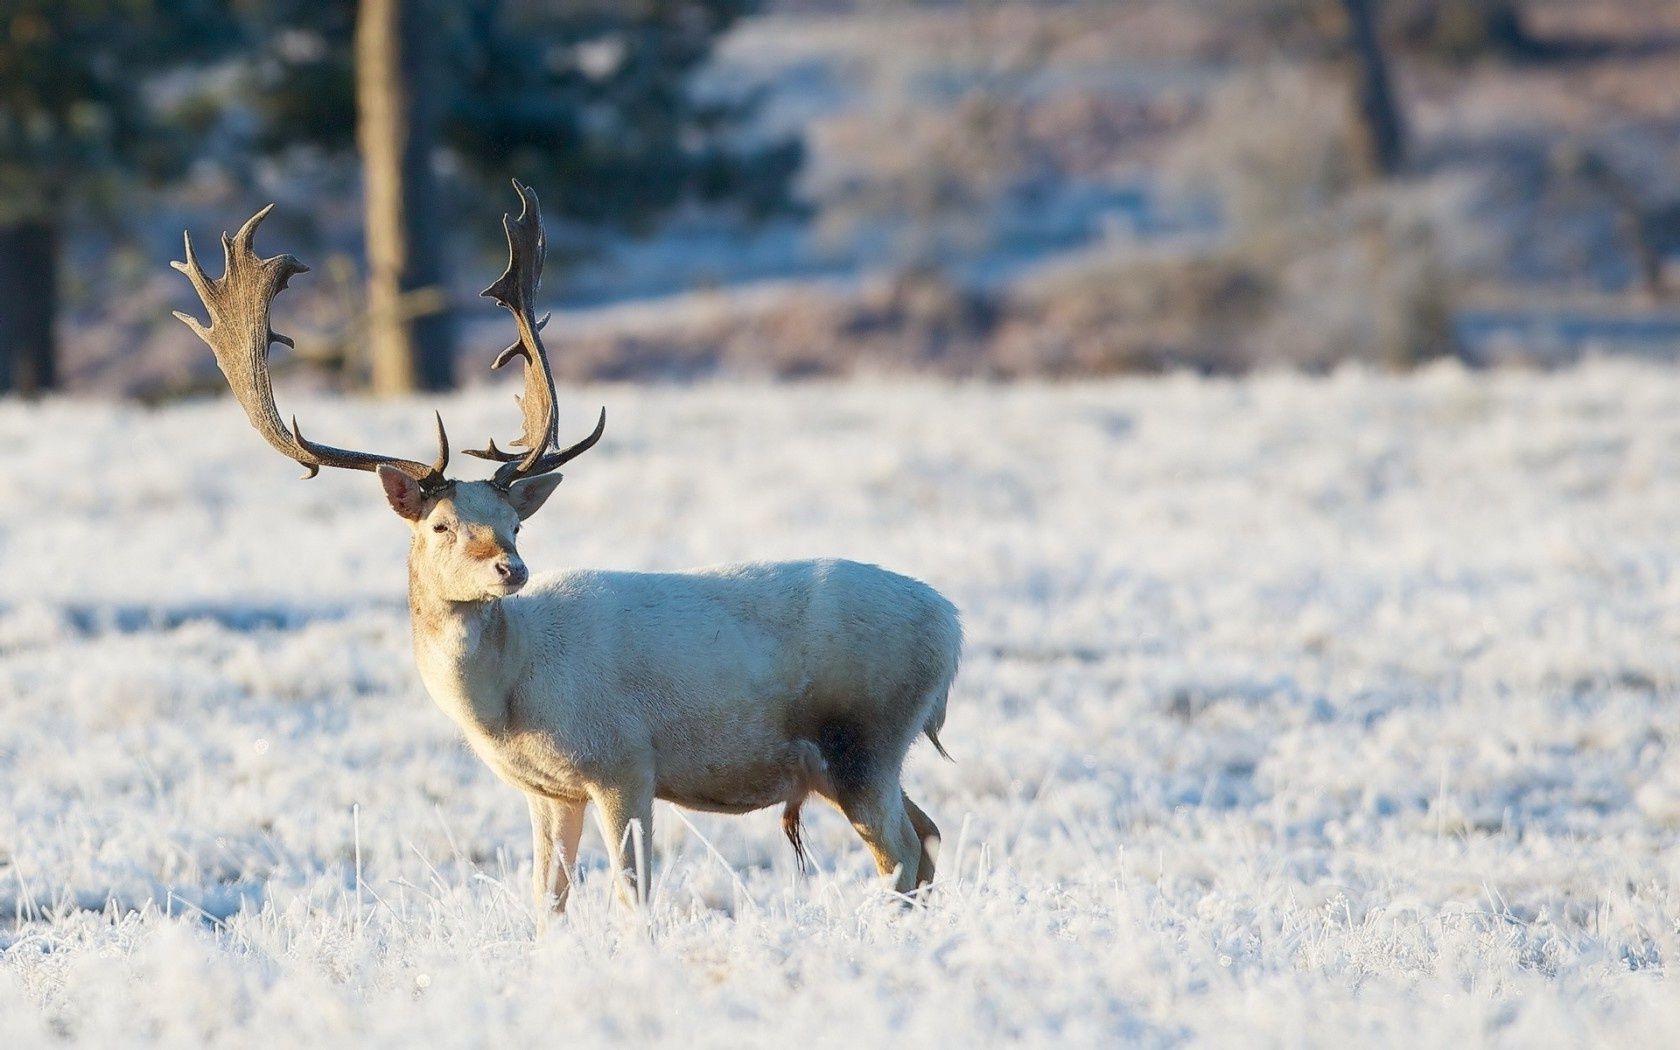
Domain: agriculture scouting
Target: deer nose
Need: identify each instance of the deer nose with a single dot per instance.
(511, 572)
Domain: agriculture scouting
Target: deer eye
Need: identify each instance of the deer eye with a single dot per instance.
(440, 527)
(516, 530)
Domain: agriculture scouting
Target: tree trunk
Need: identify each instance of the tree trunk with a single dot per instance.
(410, 331)
(1379, 131)
(1635, 223)
(28, 307)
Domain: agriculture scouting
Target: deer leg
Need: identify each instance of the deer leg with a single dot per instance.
(542, 854)
(554, 822)
(626, 818)
(864, 785)
(878, 816)
(927, 834)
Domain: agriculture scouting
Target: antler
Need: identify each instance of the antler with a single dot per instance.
(515, 289)
(239, 335)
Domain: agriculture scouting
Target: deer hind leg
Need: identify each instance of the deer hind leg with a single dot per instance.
(863, 779)
(927, 835)
(880, 821)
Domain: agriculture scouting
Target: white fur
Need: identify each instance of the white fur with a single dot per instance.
(725, 689)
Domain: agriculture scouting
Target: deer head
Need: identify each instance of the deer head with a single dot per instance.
(464, 531)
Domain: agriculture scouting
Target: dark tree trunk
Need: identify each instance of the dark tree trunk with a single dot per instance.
(410, 331)
(1636, 226)
(1379, 130)
(28, 307)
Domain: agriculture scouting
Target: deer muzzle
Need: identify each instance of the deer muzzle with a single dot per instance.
(511, 572)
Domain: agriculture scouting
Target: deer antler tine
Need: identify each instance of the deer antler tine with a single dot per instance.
(195, 272)
(239, 334)
(312, 468)
(565, 455)
(518, 349)
(190, 321)
(491, 452)
(248, 231)
(201, 284)
(442, 461)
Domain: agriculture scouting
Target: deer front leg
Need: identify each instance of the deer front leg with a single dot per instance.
(554, 822)
(626, 817)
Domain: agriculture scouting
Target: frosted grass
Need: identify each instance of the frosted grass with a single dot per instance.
(1294, 711)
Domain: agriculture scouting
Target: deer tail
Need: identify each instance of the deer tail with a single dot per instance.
(795, 834)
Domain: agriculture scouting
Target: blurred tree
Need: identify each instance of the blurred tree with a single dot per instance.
(1413, 313)
(590, 97)
(86, 105)
(396, 129)
(1379, 130)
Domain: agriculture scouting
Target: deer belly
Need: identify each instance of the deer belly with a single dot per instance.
(791, 771)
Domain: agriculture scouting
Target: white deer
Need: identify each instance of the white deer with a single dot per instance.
(726, 689)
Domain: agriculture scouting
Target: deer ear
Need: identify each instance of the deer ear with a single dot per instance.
(402, 492)
(526, 497)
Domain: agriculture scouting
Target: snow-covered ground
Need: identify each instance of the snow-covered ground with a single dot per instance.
(1294, 711)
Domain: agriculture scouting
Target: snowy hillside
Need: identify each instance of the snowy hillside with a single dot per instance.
(1293, 710)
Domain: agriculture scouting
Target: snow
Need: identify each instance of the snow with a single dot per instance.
(1294, 710)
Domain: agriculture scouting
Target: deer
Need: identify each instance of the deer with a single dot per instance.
(726, 689)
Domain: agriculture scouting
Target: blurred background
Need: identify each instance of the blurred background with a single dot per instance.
(790, 188)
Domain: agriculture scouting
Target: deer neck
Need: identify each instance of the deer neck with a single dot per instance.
(466, 653)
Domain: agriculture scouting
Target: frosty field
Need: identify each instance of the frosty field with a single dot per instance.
(1294, 711)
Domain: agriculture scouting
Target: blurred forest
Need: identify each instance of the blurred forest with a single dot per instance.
(812, 187)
